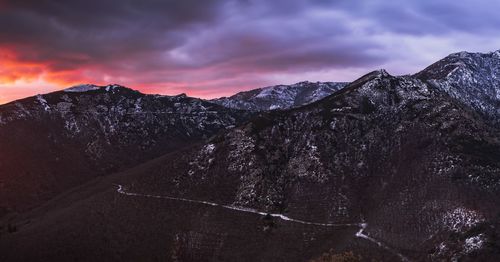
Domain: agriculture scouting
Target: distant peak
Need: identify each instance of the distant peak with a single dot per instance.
(82, 88)
(181, 95)
(379, 73)
(90, 87)
(465, 54)
(461, 54)
(496, 54)
(383, 72)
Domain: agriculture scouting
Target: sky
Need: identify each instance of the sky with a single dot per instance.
(214, 48)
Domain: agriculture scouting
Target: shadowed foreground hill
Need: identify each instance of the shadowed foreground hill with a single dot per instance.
(95, 223)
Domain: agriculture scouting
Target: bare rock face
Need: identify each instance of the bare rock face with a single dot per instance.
(55, 141)
(281, 96)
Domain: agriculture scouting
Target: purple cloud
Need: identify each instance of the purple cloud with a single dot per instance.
(218, 47)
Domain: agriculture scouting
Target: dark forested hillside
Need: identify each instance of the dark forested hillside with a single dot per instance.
(56, 141)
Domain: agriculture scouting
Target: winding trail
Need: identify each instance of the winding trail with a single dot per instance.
(359, 234)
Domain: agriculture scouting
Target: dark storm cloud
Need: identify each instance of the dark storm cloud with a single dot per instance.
(73, 32)
(69, 34)
(201, 41)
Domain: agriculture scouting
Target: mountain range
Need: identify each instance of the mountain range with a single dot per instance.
(280, 96)
(386, 168)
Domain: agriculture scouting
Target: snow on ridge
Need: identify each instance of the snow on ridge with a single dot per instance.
(280, 96)
(113, 87)
(82, 88)
(268, 91)
(281, 90)
(461, 219)
(496, 54)
(474, 243)
(43, 102)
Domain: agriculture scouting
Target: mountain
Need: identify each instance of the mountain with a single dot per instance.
(280, 96)
(51, 143)
(473, 78)
(388, 168)
(417, 166)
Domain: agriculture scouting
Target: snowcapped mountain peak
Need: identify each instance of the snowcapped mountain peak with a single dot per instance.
(467, 56)
(280, 96)
(112, 88)
(82, 88)
(472, 78)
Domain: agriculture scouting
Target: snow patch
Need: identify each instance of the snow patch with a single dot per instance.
(112, 88)
(274, 107)
(137, 104)
(461, 219)
(203, 160)
(81, 88)
(43, 102)
(209, 148)
(442, 249)
(474, 243)
(496, 54)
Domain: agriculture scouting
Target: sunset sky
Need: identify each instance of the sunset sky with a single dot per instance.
(210, 48)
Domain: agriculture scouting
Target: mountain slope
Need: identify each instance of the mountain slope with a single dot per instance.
(101, 224)
(419, 169)
(280, 96)
(473, 78)
(385, 149)
(53, 142)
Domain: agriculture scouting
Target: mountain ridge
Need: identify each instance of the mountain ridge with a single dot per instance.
(280, 97)
(100, 130)
(409, 158)
(472, 78)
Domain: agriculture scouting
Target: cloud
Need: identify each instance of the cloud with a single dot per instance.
(217, 47)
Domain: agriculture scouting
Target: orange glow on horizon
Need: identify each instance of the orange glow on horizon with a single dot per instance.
(12, 70)
(20, 79)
